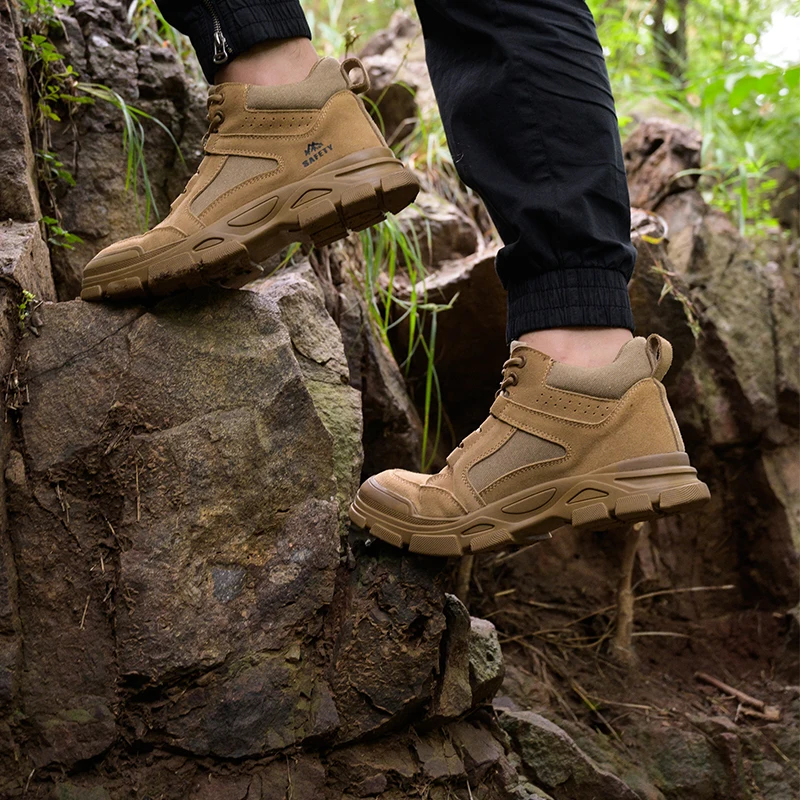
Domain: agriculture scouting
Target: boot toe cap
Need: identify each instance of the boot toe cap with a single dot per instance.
(129, 251)
(381, 491)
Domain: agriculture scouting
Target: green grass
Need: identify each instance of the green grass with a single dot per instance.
(392, 253)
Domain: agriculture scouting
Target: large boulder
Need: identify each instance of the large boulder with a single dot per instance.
(175, 576)
(174, 565)
(150, 451)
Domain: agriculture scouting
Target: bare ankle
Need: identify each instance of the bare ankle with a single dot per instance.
(582, 347)
(273, 63)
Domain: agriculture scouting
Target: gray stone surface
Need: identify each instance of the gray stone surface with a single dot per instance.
(486, 669)
(19, 198)
(454, 692)
(554, 761)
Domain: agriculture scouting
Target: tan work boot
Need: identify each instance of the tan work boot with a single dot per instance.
(592, 447)
(298, 163)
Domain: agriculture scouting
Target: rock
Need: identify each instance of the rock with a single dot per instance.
(324, 365)
(24, 265)
(654, 154)
(784, 288)
(454, 693)
(390, 760)
(608, 755)
(19, 197)
(782, 471)
(99, 209)
(392, 427)
(684, 214)
(486, 668)
(388, 637)
(653, 311)
(555, 762)
(197, 396)
(684, 763)
(175, 421)
(440, 229)
(25, 260)
(785, 205)
(438, 757)
(476, 745)
(185, 464)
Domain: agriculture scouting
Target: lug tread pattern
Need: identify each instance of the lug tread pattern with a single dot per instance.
(601, 515)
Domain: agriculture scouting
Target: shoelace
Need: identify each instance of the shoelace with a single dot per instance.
(510, 378)
(215, 117)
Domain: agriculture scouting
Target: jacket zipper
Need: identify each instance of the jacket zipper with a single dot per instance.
(221, 48)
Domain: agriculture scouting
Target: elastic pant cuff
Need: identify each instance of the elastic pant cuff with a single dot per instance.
(260, 22)
(569, 298)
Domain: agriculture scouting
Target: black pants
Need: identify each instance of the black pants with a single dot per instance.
(526, 103)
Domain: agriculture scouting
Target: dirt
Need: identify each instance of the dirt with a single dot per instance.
(555, 626)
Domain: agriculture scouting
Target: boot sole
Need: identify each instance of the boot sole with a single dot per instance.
(351, 194)
(620, 494)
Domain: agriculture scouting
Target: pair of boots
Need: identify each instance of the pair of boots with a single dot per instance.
(593, 447)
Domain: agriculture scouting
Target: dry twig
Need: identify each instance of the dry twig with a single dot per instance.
(85, 609)
(622, 644)
(464, 579)
(764, 711)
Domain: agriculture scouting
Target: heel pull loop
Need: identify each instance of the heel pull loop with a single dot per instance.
(659, 352)
(362, 84)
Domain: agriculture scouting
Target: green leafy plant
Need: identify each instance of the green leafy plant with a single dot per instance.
(25, 306)
(57, 236)
(697, 61)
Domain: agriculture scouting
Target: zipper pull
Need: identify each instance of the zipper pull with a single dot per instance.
(221, 49)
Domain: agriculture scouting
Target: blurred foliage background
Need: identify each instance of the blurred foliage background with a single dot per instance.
(729, 68)
(706, 63)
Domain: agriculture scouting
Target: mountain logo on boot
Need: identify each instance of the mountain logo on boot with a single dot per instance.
(316, 150)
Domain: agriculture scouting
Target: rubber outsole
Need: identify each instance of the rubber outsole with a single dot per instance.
(352, 194)
(621, 494)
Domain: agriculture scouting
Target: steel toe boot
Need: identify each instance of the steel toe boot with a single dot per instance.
(591, 447)
(283, 164)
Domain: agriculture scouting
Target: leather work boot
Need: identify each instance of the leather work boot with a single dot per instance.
(296, 163)
(592, 447)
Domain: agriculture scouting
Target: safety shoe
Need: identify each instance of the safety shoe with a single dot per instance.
(592, 447)
(297, 163)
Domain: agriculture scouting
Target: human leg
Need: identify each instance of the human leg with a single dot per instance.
(581, 431)
(225, 32)
(527, 107)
